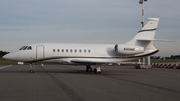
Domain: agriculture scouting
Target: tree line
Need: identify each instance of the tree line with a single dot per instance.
(2, 53)
(175, 57)
(171, 57)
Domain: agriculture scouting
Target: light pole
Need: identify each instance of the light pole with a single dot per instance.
(142, 2)
(146, 60)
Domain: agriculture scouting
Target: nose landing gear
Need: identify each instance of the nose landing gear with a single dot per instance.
(31, 66)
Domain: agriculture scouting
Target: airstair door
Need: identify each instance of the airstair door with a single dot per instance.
(40, 52)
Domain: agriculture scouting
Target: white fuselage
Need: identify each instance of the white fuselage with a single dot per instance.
(67, 53)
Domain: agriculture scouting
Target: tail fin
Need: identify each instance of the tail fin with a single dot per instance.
(146, 35)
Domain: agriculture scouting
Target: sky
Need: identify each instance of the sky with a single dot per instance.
(24, 22)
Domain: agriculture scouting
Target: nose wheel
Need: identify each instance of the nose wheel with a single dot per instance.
(31, 71)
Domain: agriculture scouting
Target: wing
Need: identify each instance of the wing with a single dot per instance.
(97, 61)
(92, 61)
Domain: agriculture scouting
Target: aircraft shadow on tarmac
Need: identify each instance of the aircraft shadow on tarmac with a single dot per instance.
(61, 71)
(71, 70)
(105, 72)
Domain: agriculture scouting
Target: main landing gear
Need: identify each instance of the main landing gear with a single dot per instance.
(97, 69)
(88, 68)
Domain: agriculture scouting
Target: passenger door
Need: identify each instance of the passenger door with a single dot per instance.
(40, 52)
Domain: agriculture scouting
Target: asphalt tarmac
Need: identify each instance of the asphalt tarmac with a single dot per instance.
(73, 83)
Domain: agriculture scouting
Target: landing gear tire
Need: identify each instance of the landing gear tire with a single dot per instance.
(31, 71)
(96, 71)
(88, 69)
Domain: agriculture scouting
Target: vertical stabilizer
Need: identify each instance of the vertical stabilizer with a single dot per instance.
(146, 35)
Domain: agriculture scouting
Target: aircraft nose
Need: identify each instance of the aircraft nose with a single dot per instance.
(10, 56)
(6, 57)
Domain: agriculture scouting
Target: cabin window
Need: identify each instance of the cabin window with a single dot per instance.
(75, 50)
(29, 48)
(71, 50)
(89, 51)
(58, 50)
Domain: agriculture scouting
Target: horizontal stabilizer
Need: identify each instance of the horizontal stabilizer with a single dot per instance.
(161, 40)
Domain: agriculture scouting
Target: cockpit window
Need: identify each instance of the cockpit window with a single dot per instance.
(22, 48)
(25, 47)
(29, 48)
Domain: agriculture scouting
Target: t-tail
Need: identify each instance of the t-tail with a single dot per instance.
(142, 44)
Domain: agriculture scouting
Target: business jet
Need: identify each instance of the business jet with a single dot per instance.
(89, 54)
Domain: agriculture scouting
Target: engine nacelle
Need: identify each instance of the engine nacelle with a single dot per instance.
(128, 49)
